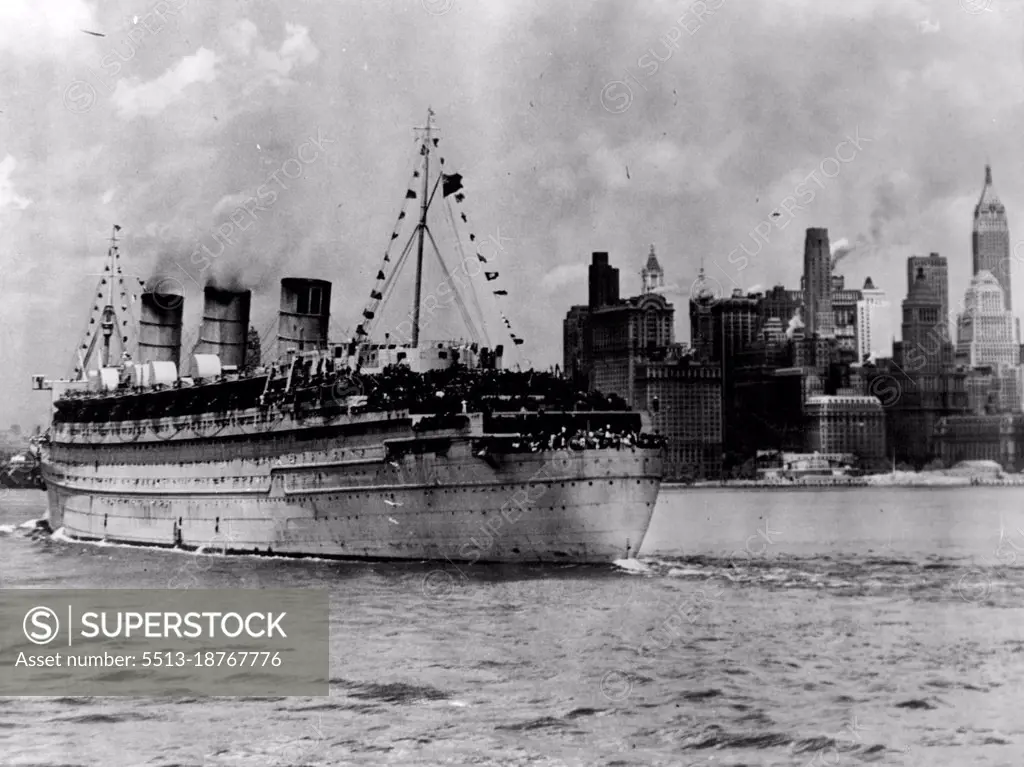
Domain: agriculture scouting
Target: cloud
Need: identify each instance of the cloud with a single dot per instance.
(35, 30)
(274, 67)
(564, 276)
(244, 68)
(134, 97)
(229, 203)
(8, 197)
(240, 37)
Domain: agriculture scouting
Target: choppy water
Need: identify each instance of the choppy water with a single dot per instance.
(759, 628)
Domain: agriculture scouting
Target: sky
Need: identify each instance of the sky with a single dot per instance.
(718, 131)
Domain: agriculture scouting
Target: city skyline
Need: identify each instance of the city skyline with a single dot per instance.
(803, 362)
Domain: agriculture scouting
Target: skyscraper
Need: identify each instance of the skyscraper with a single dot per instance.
(928, 387)
(818, 283)
(925, 348)
(985, 334)
(702, 323)
(936, 279)
(986, 338)
(871, 336)
(991, 238)
(603, 282)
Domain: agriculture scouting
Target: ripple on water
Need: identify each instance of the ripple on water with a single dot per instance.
(392, 692)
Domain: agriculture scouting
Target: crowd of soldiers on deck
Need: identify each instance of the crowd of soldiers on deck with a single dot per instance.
(444, 391)
(459, 390)
(583, 439)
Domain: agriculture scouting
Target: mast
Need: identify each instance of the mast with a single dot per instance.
(105, 320)
(109, 316)
(422, 228)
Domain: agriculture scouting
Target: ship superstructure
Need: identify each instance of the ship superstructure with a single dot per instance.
(421, 450)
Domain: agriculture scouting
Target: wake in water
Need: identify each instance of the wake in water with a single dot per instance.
(930, 578)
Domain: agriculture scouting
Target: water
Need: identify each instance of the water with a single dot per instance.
(782, 627)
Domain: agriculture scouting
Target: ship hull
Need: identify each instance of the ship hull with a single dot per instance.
(587, 506)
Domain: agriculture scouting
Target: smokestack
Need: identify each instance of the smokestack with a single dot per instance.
(160, 328)
(225, 329)
(304, 315)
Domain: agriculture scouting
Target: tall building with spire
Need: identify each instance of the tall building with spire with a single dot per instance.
(702, 323)
(991, 238)
(652, 274)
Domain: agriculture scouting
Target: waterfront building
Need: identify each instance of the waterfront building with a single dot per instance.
(993, 437)
(845, 424)
(766, 406)
(684, 398)
(990, 238)
(789, 466)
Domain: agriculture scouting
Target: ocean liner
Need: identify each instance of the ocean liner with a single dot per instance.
(359, 449)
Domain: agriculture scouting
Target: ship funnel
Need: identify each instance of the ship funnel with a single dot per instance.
(304, 315)
(160, 328)
(225, 328)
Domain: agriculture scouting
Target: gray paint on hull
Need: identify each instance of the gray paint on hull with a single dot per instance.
(588, 506)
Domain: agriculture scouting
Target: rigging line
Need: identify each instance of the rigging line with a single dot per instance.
(87, 338)
(374, 304)
(265, 338)
(389, 285)
(414, 168)
(472, 288)
(387, 250)
(470, 325)
(451, 216)
(390, 278)
(433, 191)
